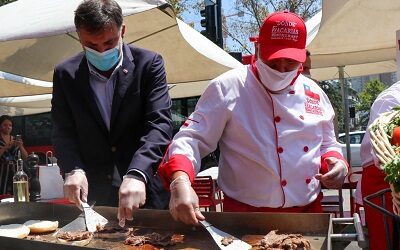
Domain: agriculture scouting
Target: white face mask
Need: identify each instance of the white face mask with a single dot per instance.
(272, 79)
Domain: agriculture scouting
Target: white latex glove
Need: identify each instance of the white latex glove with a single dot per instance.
(337, 172)
(184, 203)
(76, 187)
(132, 195)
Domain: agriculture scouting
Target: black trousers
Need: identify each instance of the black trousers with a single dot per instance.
(104, 194)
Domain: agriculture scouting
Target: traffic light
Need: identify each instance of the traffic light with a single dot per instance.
(209, 22)
(352, 112)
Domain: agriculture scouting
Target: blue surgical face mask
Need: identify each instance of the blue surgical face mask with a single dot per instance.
(103, 60)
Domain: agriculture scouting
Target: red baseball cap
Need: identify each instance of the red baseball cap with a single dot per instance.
(283, 35)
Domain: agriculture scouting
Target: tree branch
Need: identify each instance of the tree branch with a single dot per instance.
(235, 39)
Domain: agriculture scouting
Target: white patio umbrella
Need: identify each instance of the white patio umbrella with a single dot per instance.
(357, 34)
(356, 37)
(33, 43)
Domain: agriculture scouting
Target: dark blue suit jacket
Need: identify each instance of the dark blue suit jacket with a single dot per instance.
(140, 127)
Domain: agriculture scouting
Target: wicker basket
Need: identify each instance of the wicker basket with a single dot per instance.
(383, 149)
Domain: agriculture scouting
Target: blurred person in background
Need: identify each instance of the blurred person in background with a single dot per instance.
(307, 66)
(9, 148)
(9, 145)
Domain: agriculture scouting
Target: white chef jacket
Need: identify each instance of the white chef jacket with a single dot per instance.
(270, 144)
(386, 101)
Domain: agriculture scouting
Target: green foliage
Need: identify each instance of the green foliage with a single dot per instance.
(392, 171)
(305, 8)
(367, 96)
(240, 28)
(395, 122)
(3, 2)
(178, 6)
(333, 91)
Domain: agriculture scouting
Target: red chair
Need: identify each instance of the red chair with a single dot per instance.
(205, 190)
(353, 178)
(333, 204)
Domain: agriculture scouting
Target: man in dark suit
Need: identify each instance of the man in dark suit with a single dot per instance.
(111, 115)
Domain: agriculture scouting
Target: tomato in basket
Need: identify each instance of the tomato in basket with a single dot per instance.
(396, 136)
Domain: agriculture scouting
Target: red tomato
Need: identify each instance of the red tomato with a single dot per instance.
(396, 136)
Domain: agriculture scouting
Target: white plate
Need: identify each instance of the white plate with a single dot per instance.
(6, 200)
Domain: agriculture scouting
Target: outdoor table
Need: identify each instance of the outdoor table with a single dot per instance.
(213, 172)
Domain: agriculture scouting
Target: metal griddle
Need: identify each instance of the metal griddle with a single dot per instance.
(251, 227)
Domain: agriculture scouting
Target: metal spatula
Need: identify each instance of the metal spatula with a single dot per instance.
(76, 225)
(93, 218)
(218, 235)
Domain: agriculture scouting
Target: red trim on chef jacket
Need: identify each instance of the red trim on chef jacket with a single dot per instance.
(176, 163)
(232, 205)
(279, 149)
(324, 166)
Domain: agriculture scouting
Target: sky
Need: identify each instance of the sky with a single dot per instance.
(194, 17)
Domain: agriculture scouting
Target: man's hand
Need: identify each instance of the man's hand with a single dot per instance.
(184, 203)
(132, 195)
(76, 187)
(335, 177)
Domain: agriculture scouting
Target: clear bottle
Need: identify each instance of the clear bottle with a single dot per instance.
(20, 183)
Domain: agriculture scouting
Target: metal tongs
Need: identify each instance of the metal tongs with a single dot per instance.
(219, 235)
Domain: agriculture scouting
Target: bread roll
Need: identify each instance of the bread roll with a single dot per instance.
(41, 226)
(75, 238)
(14, 230)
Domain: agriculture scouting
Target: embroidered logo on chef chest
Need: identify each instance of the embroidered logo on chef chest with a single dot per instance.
(312, 103)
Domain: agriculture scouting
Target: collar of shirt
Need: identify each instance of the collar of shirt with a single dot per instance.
(94, 72)
(103, 89)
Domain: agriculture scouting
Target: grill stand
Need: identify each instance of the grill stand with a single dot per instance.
(394, 242)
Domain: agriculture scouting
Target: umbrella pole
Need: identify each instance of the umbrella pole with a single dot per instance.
(345, 101)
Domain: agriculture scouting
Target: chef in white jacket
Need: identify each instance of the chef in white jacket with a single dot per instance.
(373, 176)
(274, 130)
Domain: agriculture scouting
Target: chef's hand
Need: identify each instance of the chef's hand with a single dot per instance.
(76, 187)
(336, 174)
(132, 195)
(184, 203)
